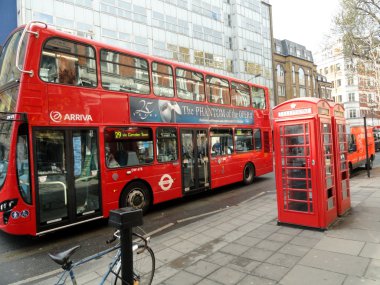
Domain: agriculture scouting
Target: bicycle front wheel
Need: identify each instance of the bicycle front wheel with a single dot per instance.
(144, 264)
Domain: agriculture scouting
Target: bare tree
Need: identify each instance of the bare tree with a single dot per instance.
(358, 26)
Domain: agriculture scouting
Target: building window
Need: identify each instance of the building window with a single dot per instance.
(293, 74)
(278, 49)
(338, 83)
(338, 99)
(229, 65)
(43, 17)
(323, 92)
(179, 53)
(301, 76)
(351, 97)
(199, 57)
(281, 90)
(352, 114)
(252, 68)
(280, 73)
(302, 92)
(328, 93)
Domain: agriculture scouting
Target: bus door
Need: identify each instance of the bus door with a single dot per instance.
(195, 159)
(67, 176)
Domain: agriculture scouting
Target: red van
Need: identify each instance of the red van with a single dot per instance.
(357, 147)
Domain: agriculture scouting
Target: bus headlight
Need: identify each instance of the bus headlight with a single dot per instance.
(7, 205)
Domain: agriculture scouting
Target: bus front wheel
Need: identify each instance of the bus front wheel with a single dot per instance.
(248, 174)
(136, 195)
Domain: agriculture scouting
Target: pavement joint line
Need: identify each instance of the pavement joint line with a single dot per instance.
(226, 208)
(202, 215)
(160, 229)
(34, 278)
(255, 197)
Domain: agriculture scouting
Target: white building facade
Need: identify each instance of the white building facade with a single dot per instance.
(230, 37)
(351, 86)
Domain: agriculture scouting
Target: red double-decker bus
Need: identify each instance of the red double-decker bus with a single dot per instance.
(88, 127)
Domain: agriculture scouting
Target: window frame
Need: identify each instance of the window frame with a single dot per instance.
(161, 73)
(264, 101)
(234, 100)
(189, 79)
(70, 54)
(228, 134)
(125, 65)
(236, 135)
(209, 83)
(176, 157)
(108, 132)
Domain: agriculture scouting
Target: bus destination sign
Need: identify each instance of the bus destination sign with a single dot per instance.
(125, 134)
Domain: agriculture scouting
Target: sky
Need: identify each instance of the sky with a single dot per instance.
(305, 22)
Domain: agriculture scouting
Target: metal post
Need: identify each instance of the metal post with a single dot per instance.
(125, 219)
(366, 146)
(126, 256)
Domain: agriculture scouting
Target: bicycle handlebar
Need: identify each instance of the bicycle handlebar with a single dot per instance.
(116, 235)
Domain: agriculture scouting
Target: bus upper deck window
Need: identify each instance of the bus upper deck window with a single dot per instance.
(65, 62)
(258, 98)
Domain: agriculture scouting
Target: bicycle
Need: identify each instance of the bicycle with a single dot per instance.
(143, 262)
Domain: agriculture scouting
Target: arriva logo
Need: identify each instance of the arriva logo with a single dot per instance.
(57, 117)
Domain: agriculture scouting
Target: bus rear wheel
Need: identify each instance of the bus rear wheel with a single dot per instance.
(248, 174)
(137, 196)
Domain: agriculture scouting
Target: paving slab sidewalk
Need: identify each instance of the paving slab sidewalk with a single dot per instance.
(244, 245)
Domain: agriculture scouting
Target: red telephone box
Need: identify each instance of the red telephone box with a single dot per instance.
(304, 157)
(342, 178)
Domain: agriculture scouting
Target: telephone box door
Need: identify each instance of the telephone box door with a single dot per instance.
(342, 173)
(297, 200)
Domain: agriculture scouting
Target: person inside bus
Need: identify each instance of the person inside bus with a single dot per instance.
(67, 74)
(217, 148)
(202, 148)
(110, 158)
(48, 69)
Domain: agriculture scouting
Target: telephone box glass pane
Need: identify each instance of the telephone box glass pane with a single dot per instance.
(294, 129)
(296, 171)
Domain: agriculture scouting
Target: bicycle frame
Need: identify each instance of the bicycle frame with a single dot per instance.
(70, 272)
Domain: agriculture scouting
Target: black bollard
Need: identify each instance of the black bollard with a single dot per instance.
(125, 219)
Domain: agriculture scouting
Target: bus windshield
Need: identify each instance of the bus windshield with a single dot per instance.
(8, 70)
